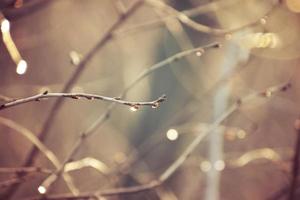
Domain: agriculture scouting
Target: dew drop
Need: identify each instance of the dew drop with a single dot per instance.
(134, 108)
(198, 53)
(155, 105)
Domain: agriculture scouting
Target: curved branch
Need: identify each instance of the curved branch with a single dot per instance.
(180, 160)
(90, 130)
(47, 152)
(77, 73)
(185, 19)
(117, 100)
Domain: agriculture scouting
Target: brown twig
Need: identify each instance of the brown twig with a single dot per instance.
(185, 19)
(40, 146)
(51, 179)
(180, 160)
(70, 83)
(5, 98)
(21, 174)
(209, 7)
(117, 100)
(18, 170)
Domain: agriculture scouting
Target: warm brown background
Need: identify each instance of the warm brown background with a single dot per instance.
(46, 31)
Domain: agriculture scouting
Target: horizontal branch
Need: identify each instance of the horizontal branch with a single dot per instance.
(22, 170)
(41, 147)
(180, 160)
(185, 19)
(193, 12)
(106, 37)
(103, 117)
(46, 95)
(14, 180)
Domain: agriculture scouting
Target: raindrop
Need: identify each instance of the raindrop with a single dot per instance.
(134, 108)
(198, 53)
(155, 105)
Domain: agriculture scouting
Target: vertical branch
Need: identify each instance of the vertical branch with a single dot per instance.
(295, 167)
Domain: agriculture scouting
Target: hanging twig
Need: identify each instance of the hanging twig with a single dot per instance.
(180, 160)
(117, 100)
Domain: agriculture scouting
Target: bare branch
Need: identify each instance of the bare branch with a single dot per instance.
(70, 83)
(185, 19)
(117, 100)
(40, 146)
(12, 181)
(90, 130)
(5, 98)
(180, 160)
(23, 170)
(209, 7)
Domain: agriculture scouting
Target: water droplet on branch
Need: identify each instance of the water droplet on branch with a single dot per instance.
(134, 108)
(155, 105)
(198, 53)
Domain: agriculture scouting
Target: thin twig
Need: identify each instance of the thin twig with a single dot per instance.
(12, 181)
(209, 7)
(90, 130)
(197, 26)
(117, 100)
(180, 160)
(70, 83)
(5, 98)
(23, 170)
(40, 146)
